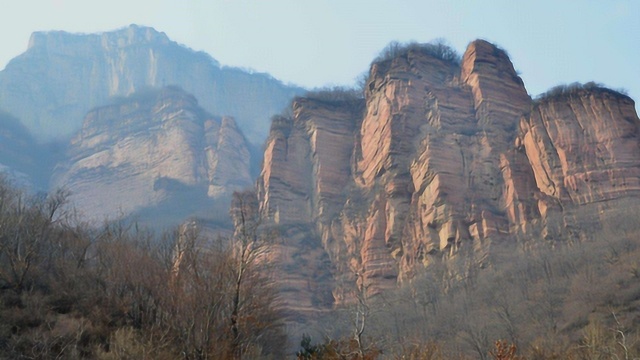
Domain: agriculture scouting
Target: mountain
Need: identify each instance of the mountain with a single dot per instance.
(155, 151)
(488, 214)
(446, 160)
(22, 158)
(62, 76)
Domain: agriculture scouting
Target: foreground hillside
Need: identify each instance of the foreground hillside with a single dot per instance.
(117, 292)
(72, 291)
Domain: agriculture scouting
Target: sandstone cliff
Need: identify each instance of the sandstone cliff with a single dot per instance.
(62, 76)
(443, 156)
(582, 147)
(301, 189)
(151, 147)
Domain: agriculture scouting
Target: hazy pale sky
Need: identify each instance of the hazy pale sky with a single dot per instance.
(330, 42)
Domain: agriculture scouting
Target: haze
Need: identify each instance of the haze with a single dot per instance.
(155, 205)
(331, 42)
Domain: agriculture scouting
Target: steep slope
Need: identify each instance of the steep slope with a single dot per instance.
(19, 152)
(306, 167)
(582, 145)
(148, 148)
(443, 157)
(61, 76)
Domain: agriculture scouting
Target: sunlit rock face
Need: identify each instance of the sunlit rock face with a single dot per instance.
(148, 147)
(307, 165)
(584, 154)
(62, 76)
(583, 147)
(441, 157)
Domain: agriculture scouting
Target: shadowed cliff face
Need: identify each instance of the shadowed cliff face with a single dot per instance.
(440, 158)
(62, 76)
(151, 147)
(21, 157)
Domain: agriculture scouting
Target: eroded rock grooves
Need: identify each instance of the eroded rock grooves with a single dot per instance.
(439, 158)
(151, 147)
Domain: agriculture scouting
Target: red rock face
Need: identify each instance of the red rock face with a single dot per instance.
(307, 165)
(286, 183)
(444, 157)
(583, 148)
(307, 162)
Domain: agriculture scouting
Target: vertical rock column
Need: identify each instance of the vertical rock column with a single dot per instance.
(500, 99)
(400, 101)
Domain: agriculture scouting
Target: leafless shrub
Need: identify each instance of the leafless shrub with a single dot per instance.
(72, 291)
(336, 95)
(565, 91)
(437, 49)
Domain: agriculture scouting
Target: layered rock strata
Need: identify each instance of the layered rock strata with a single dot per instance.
(301, 190)
(149, 147)
(583, 151)
(441, 157)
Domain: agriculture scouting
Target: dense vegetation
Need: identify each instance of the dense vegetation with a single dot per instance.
(68, 290)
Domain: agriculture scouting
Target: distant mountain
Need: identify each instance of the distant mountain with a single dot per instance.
(155, 152)
(62, 76)
(22, 158)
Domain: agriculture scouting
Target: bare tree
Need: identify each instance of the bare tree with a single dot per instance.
(250, 249)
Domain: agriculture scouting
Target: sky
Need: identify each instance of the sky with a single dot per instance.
(331, 42)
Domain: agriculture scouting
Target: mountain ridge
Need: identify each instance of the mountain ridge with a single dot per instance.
(447, 163)
(62, 75)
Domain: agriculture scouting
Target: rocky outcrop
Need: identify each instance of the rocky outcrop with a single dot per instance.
(62, 76)
(583, 146)
(310, 156)
(307, 165)
(443, 156)
(583, 150)
(149, 147)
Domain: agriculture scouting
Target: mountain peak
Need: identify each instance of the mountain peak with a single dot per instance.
(126, 36)
(71, 73)
(135, 34)
(446, 158)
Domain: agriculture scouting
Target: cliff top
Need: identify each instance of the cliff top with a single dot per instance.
(132, 35)
(563, 92)
(437, 49)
